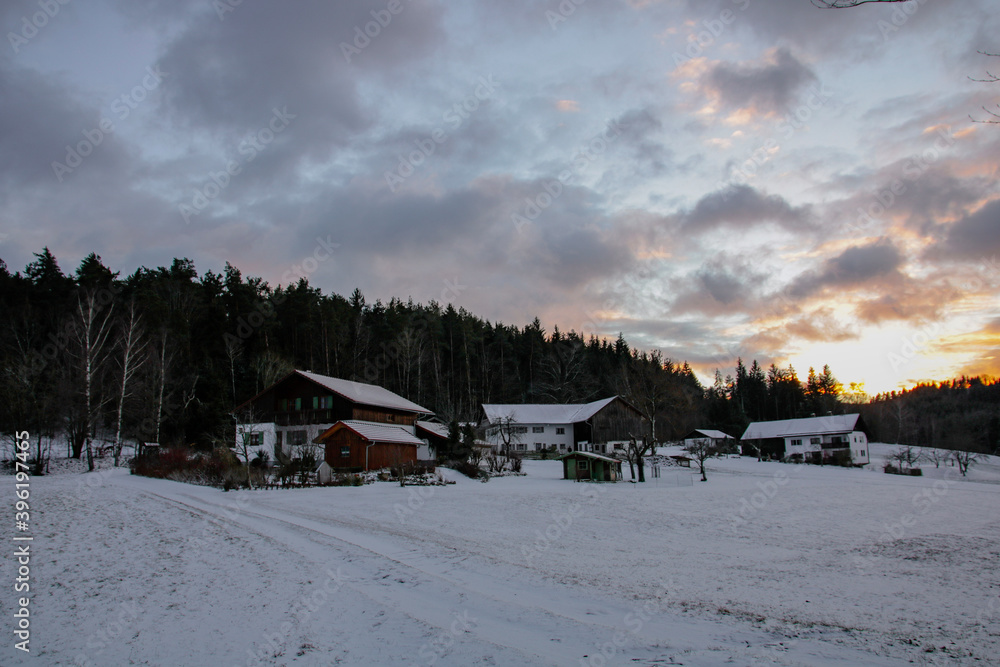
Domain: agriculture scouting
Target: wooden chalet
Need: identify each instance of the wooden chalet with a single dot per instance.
(294, 411)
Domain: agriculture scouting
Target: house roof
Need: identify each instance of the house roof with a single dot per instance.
(434, 428)
(808, 426)
(356, 392)
(374, 432)
(589, 455)
(539, 413)
(708, 433)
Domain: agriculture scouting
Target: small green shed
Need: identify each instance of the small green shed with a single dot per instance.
(587, 466)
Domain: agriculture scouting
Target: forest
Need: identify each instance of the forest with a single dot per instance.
(163, 355)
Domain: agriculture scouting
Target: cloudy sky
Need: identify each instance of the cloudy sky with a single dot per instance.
(715, 179)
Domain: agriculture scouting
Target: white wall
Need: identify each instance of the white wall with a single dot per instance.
(526, 442)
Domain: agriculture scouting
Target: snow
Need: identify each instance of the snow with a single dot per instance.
(545, 413)
(766, 563)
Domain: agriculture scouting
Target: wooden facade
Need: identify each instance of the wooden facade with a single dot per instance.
(583, 466)
(345, 450)
(297, 400)
(617, 421)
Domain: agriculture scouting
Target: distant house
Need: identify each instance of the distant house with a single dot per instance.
(580, 466)
(293, 412)
(600, 426)
(813, 440)
(721, 441)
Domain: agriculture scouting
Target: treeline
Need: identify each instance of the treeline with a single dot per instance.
(962, 414)
(163, 355)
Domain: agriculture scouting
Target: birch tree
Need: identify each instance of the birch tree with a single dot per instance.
(133, 344)
(91, 351)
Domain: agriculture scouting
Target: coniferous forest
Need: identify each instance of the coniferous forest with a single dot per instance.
(163, 355)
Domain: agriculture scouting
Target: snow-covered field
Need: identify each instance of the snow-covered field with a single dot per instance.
(764, 564)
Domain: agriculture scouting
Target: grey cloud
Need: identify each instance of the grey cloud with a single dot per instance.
(855, 265)
(770, 86)
(742, 205)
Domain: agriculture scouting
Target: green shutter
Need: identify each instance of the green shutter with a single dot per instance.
(315, 402)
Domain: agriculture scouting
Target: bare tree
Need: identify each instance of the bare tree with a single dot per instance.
(936, 456)
(906, 457)
(844, 4)
(990, 78)
(965, 460)
(702, 449)
(635, 450)
(246, 420)
(91, 351)
(507, 429)
(133, 346)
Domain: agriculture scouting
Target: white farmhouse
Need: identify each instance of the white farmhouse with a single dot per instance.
(721, 441)
(600, 426)
(813, 439)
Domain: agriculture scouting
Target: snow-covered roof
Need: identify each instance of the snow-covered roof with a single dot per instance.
(366, 394)
(440, 430)
(539, 413)
(710, 433)
(809, 426)
(590, 455)
(376, 432)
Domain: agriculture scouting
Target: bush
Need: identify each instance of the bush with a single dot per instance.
(467, 469)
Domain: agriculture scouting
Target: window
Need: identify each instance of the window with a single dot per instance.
(538, 446)
(283, 405)
(796, 443)
(562, 446)
(297, 437)
(519, 429)
(325, 402)
(619, 445)
(538, 429)
(298, 404)
(815, 441)
(521, 447)
(560, 430)
(277, 439)
(345, 452)
(256, 439)
(390, 418)
(583, 464)
(315, 402)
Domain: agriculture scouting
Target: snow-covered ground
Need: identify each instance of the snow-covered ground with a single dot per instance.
(766, 563)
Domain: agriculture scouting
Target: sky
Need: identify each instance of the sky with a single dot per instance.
(714, 179)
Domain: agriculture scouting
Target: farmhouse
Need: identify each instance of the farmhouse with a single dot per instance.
(580, 466)
(813, 440)
(295, 411)
(717, 439)
(601, 426)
